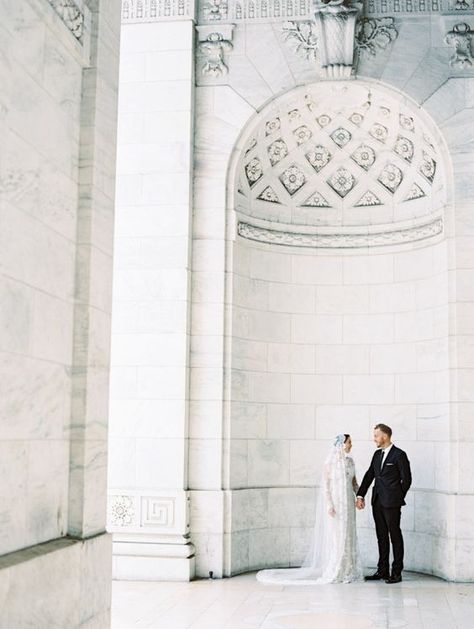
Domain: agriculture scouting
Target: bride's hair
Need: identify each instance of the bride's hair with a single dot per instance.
(346, 437)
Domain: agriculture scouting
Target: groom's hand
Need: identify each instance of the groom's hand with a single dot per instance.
(360, 503)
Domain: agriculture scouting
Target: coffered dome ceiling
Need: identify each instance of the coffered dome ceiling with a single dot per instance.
(340, 155)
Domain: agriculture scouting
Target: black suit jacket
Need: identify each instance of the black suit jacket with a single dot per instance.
(391, 482)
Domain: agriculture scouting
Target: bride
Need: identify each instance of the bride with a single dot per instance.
(334, 554)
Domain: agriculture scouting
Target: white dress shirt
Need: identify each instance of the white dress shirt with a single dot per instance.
(385, 454)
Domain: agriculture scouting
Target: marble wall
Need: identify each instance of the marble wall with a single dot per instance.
(324, 344)
(289, 345)
(58, 125)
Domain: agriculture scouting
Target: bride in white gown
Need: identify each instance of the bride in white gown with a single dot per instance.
(334, 555)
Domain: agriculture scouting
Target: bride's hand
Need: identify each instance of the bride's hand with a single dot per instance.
(332, 511)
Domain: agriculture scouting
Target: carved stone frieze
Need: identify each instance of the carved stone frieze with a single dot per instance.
(211, 11)
(156, 10)
(348, 240)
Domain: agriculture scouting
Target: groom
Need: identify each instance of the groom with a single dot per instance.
(390, 468)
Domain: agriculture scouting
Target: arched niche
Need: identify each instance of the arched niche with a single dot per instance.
(338, 313)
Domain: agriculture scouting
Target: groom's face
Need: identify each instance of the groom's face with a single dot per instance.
(380, 438)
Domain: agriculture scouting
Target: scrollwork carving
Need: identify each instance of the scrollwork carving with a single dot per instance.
(375, 34)
(302, 36)
(335, 32)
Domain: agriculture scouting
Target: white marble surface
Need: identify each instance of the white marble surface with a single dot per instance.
(151, 312)
(57, 121)
(63, 583)
(417, 603)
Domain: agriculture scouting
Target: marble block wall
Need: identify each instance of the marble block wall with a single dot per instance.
(59, 69)
(324, 344)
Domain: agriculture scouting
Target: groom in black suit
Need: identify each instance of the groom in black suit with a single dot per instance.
(390, 468)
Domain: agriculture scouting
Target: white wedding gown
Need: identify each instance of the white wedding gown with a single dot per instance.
(334, 555)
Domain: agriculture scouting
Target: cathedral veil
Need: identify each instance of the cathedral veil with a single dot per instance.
(329, 539)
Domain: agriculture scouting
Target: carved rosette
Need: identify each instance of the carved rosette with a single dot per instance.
(335, 23)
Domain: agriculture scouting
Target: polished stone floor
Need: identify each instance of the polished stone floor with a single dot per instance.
(419, 602)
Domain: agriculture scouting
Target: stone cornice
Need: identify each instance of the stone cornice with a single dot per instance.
(237, 11)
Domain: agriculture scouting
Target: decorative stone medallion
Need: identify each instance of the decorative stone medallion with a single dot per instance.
(254, 171)
(379, 132)
(293, 179)
(428, 167)
(341, 136)
(342, 181)
(277, 151)
(405, 148)
(407, 122)
(391, 177)
(302, 134)
(364, 156)
(319, 157)
(272, 126)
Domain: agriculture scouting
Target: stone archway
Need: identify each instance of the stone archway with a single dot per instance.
(340, 312)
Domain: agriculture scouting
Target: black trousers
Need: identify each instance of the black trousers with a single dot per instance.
(387, 527)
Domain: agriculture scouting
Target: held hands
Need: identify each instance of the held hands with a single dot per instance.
(360, 503)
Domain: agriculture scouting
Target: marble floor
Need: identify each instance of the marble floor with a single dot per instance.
(420, 602)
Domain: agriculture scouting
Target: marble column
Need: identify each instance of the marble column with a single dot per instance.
(148, 471)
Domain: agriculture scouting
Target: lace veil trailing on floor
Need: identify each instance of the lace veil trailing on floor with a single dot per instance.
(333, 556)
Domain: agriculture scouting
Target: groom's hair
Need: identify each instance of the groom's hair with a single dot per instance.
(384, 428)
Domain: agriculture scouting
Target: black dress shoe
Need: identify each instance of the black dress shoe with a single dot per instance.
(395, 578)
(377, 576)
